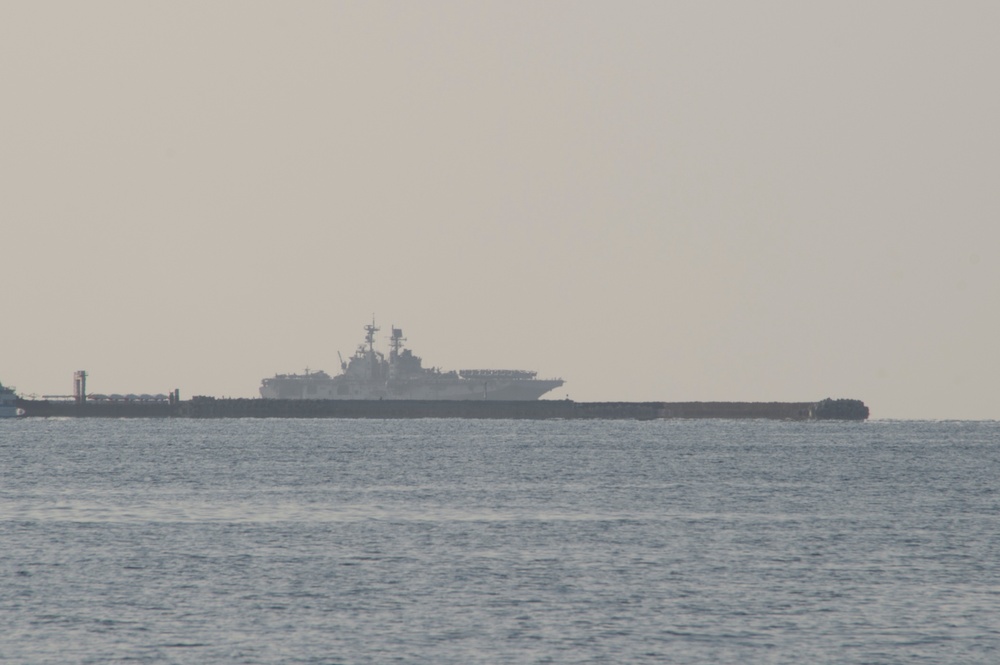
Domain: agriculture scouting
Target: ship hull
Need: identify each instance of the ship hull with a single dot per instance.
(457, 389)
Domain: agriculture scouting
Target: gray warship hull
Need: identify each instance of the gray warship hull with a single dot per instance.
(307, 387)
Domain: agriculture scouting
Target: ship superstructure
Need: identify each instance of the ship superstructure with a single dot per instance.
(369, 374)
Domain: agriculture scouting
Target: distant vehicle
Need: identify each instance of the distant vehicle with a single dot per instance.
(369, 375)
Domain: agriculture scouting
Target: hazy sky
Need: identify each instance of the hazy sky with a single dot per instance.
(652, 200)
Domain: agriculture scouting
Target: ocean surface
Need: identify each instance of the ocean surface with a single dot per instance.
(459, 541)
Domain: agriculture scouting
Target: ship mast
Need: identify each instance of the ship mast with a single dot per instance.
(370, 336)
(372, 358)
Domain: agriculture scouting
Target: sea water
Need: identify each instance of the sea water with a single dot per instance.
(461, 541)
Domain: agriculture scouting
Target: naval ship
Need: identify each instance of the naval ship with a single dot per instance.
(369, 375)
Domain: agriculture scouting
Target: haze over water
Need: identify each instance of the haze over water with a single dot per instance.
(451, 541)
(653, 200)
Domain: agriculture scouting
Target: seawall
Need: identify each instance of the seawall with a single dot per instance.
(210, 407)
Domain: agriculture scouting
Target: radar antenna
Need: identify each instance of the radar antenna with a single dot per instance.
(395, 342)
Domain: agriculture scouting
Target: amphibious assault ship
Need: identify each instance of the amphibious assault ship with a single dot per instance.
(368, 375)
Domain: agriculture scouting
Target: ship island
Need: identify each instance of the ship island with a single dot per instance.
(369, 375)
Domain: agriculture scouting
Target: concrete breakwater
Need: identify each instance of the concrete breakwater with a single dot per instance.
(210, 407)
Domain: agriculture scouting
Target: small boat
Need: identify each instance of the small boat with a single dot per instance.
(8, 403)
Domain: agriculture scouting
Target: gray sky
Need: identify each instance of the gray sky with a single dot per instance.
(653, 200)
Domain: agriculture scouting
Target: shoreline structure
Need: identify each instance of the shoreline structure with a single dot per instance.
(373, 385)
(211, 407)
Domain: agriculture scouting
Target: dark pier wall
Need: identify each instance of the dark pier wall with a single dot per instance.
(207, 407)
(771, 410)
(257, 408)
(59, 409)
